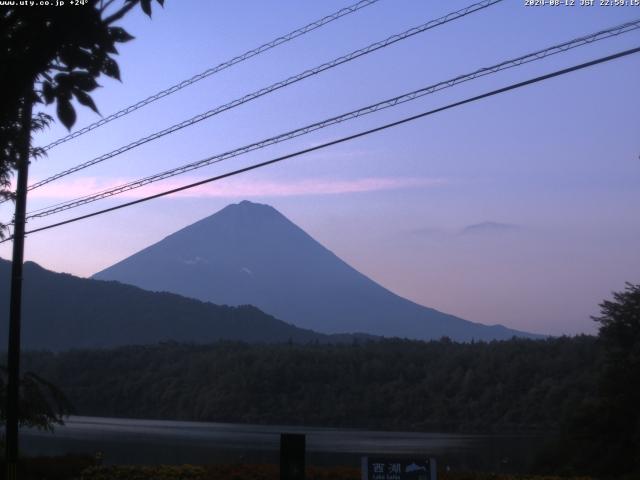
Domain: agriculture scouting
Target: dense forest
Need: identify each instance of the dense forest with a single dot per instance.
(516, 385)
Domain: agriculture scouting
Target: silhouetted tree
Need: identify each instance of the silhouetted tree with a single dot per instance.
(602, 434)
(42, 404)
(52, 55)
(49, 55)
(619, 384)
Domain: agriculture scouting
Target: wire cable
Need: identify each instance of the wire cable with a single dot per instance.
(218, 68)
(514, 86)
(276, 86)
(530, 57)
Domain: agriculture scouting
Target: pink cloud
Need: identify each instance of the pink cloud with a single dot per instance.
(70, 189)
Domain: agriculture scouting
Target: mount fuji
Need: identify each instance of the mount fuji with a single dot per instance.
(249, 253)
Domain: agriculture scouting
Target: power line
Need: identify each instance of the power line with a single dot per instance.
(563, 47)
(538, 55)
(276, 86)
(514, 86)
(218, 68)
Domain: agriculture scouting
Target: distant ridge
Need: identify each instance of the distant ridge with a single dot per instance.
(61, 312)
(249, 253)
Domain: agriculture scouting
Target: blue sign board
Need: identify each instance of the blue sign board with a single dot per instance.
(398, 468)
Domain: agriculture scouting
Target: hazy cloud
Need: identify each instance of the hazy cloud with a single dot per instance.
(237, 188)
(489, 227)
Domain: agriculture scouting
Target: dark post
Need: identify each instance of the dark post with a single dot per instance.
(13, 360)
(292, 448)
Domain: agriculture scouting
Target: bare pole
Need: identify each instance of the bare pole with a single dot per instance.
(15, 306)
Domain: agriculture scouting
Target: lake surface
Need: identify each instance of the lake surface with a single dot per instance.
(129, 441)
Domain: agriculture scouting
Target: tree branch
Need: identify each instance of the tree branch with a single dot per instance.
(103, 7)
(120, 13)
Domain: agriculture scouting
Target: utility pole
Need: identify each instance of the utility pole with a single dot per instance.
(15, 306)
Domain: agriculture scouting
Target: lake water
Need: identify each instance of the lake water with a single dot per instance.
(129, 441)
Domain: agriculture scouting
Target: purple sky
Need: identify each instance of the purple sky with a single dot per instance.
(546, 177)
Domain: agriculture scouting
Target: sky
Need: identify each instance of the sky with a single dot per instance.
(521, 209)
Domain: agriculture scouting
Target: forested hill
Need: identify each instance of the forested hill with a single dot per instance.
(500, 386)
(61, 311)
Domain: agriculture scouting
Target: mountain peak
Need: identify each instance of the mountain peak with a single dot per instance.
(249, 253)
(246, 210)
(246, 204)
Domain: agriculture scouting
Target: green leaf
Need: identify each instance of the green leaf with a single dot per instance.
(63, 80)
(77, 58)
(66, 112)
(84, 81)
(110, 68)
(146, 6)
(48, 93)
(110, 48)
(85, 99)
(119, 34)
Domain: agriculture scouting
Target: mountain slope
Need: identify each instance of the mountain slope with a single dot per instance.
(249, 253)
(61, 311)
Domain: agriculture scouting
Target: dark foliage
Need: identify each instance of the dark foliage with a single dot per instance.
(52, 468)
(602, 435)
(42, 404)
(517, 385)
(618, 428)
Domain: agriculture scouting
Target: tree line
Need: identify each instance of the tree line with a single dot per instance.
(582, 392)
(517, 385)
